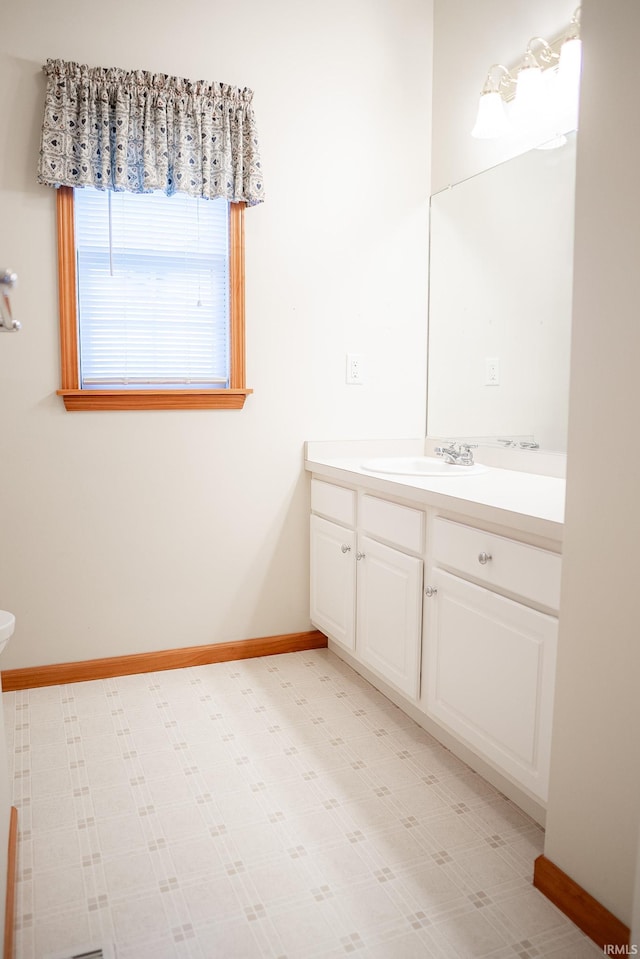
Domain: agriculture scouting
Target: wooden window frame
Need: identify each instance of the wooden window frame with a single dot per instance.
(76, 398)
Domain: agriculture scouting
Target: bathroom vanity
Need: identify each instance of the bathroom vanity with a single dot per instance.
(444, 592)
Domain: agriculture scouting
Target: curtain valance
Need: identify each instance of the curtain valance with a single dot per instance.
(137, 131)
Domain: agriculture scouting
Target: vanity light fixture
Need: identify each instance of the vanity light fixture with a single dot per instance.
(540, 95)
(492, 119)
(530, 102)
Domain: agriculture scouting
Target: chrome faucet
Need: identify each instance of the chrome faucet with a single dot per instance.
(458, 454)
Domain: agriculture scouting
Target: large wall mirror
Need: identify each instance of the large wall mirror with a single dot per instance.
(501, 266)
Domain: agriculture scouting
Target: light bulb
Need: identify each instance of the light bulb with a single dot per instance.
(568, 81)
(491, 120)
(529, 103)
(570, 61)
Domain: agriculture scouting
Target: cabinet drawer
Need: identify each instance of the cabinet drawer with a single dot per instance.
(514, 567)
(336, 502)
(395, 524)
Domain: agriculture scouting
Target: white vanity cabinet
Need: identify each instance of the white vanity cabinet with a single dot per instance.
(389, 591)
(444, 592)
(490, 646)
(333, 563)
(366, 580)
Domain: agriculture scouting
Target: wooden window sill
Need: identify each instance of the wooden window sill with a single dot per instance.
(154, 399)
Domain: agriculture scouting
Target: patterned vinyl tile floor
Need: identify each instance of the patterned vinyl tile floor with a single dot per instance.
(278, 807)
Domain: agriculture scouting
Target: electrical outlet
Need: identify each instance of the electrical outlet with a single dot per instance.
(492, 372)
(355, 369)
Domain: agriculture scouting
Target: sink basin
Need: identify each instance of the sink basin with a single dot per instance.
(7, 625)
(419, 466)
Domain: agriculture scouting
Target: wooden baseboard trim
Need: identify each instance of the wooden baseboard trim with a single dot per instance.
(576, 903)
(90, 669)
(10, 902)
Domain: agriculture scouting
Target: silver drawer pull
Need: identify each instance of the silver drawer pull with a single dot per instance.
(345, 548)
(359, 556)
(483, 558)
(430, 591)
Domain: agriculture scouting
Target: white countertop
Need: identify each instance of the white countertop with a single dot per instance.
(527, 502)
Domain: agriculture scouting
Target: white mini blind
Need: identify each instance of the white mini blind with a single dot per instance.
(153, 290)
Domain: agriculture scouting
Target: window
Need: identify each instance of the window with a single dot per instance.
(151, 301)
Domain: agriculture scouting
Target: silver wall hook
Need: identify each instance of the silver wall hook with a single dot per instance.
(8, 280)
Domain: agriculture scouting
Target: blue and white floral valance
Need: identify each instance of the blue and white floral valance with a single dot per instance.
(137, 131)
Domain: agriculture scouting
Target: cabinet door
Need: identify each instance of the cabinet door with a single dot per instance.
(333, 580)
(389, 614)
(490, 675)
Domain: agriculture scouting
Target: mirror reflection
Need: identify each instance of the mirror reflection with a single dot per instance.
(501, 265)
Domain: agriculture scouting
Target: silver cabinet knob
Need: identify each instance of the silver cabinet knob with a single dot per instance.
(345, 548)
(359, 556)
(483, 558)
(430, 591)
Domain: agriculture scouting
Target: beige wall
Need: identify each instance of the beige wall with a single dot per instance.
(129, 532)
(594, 801)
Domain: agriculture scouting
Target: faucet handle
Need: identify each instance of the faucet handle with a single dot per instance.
(465, 457)
(449, 449)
